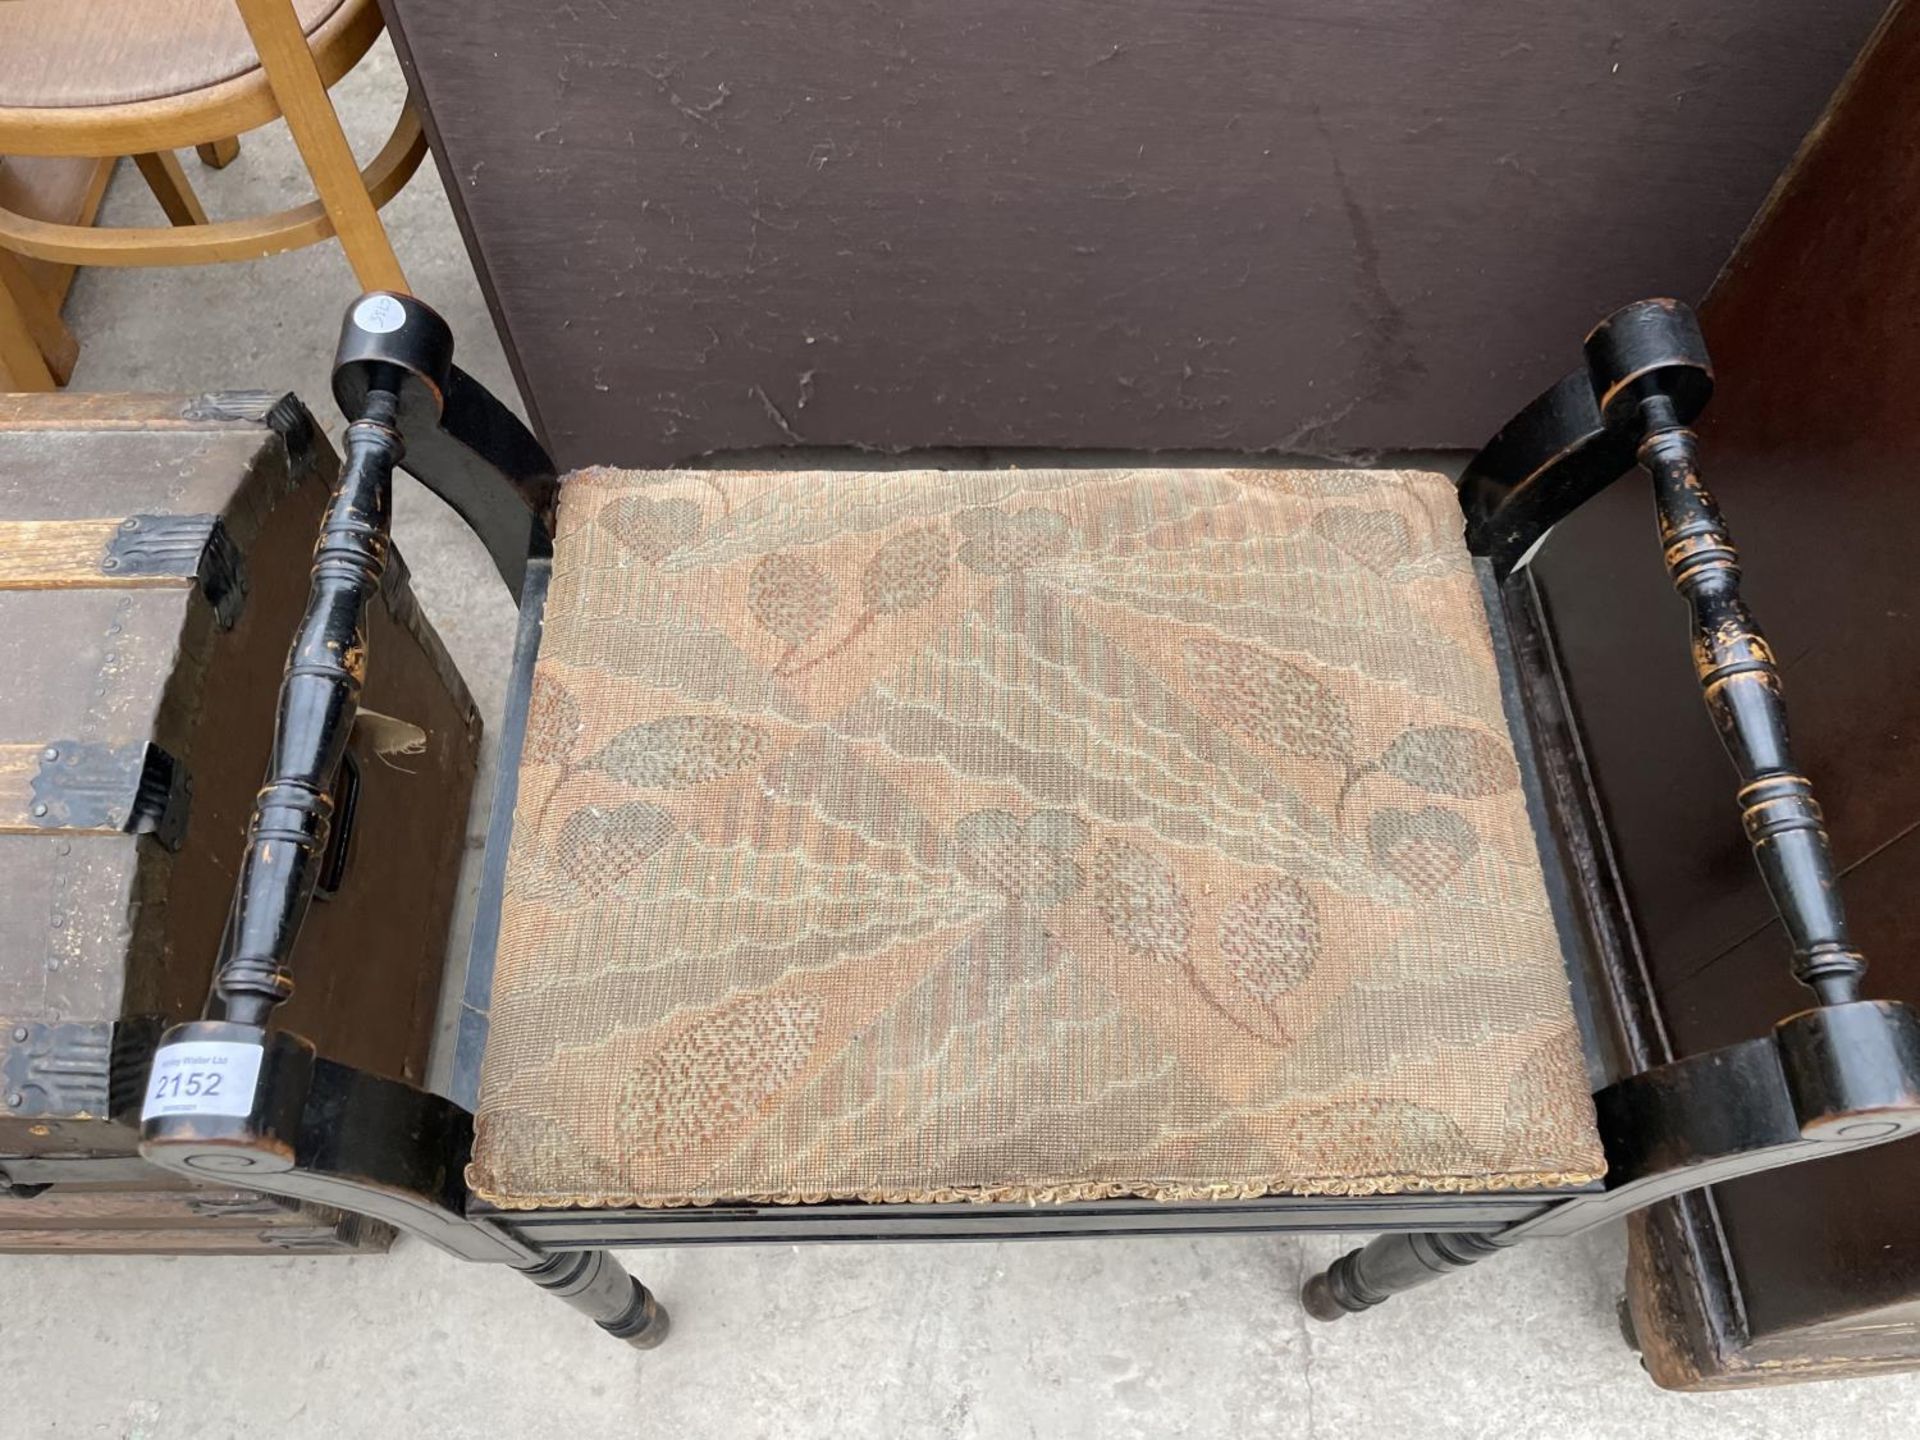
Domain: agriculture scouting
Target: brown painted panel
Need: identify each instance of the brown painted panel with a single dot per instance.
(1813, 446)
(1122, 224)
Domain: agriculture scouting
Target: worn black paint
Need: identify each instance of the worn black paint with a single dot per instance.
(461, 442)
(1743, 690)
(1848, 1072)
(1584, 432)
(1646, 379)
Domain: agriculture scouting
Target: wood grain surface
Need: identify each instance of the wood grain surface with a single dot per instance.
(68, 554)
(116, 925)
(65, 189)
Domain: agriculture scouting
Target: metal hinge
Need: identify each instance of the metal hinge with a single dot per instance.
(195, 546)
(86, 785)
(71, 1069)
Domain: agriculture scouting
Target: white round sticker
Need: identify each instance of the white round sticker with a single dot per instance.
(379, 314)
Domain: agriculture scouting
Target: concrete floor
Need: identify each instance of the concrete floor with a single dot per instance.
(1146, 1337)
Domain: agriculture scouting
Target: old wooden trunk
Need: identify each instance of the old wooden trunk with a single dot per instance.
(153, 563)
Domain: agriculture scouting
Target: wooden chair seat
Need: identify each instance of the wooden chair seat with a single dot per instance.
(1030, 835)
(62, 54)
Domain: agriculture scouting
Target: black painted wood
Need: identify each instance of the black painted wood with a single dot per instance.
(461, 442)
(1743, 689)
(1813, 444)
(1844, 1076)
(1839, 1077)
(1646, 379)
(592, 1282)
(316, 1128)
(859, 1223)
(1389, 1264)
(1584, 432)
(476, 996)
(319, 698)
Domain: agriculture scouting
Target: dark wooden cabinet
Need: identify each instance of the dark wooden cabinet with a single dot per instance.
(153, 561)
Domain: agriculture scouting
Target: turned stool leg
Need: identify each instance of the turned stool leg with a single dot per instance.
(1388, 1264)
(595, 1284)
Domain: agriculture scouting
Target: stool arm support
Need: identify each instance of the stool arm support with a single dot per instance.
(1830, 1079)
(333, 1135)
(1743, 691)
(1647, 376)
(407, 405)
(319, 699)
(1841, 1076)
(1582, 434)
(460, 441)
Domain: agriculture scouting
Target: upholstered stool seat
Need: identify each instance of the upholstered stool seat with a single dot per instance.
(1024, 835)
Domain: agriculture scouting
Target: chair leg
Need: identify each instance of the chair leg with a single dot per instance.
(161, 170)
(315, 127)
(42, 318)
(23, 366)
(1389, 1264)
(595, 1284)
(218, 154)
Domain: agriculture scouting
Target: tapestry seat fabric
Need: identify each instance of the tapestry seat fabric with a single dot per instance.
(1021, 835)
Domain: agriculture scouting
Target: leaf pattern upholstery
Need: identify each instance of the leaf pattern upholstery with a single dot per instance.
(1020, 835)
(790, 596)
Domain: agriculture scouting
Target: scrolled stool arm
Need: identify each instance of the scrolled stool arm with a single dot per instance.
(1842, 1075)
(1646, 377)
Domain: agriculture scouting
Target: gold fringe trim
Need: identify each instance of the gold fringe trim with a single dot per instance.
(1171, 1192)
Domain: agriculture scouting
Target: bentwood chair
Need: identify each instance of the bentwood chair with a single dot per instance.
(903, 853)
(148, 77)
